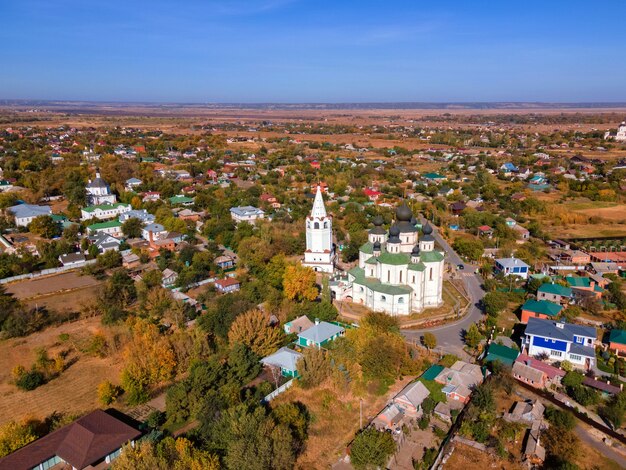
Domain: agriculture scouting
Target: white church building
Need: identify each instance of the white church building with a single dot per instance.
(320, 251)
(397, 273)
(99, 192)
(620, 136)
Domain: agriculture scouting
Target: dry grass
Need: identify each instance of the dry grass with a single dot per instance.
(334, 420)
(74, 391)
(465, 457)
(52, 284)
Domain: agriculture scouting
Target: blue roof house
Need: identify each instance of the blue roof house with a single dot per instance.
(320, 334)
(561, 341)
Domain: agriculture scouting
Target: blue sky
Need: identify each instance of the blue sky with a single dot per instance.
(313, 51)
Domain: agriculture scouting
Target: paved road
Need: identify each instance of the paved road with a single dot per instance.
(450, 336)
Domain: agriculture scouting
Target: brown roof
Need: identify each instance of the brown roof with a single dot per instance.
(82, 443)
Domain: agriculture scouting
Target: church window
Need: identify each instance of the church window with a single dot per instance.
(383, 298)
(413, 281)
(361, 289)
(400, 276)
(431, 274)
(325, 224)
(388, 276)
(316, 226)
(401, 300)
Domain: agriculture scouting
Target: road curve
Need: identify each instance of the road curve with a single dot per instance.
(450, 336)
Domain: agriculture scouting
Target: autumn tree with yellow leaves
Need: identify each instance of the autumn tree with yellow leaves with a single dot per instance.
(299, 283)
(149, 360)
(254, 330)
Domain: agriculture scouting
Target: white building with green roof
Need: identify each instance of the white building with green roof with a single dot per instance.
(399, 272)
(104, 211)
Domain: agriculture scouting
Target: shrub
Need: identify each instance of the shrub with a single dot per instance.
(30, 380)
(107, 393)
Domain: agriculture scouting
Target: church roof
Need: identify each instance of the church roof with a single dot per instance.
(431, 256)
(416, 267)
(372, 260)
(395, 259)
(376, 285)
(318, 211)
(98, 182)
(367, 248)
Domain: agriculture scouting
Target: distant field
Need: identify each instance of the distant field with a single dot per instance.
(48, 285)
(615, 212)
(73, 392)
(587, 231)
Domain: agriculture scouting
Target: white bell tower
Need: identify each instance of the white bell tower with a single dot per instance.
(320, 253)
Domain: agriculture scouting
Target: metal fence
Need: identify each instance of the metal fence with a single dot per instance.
(45, 272)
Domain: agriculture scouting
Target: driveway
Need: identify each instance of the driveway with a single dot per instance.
(450, 336)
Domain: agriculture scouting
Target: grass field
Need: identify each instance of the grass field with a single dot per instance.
(51, 284)
(73, 392)
(334, 421)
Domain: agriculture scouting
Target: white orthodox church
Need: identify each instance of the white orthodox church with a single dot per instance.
(620, 136)
(320, 251)
(397, 273)
(99, 192)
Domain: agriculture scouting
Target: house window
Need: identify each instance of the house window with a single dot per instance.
(575, 357)
(555, 353)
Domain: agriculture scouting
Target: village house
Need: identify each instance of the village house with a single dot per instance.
(459, 380)
(224, 262)
(286, 360)
(512, 267)
(93, 441)
(169, 278)
(112, 228)
(539, 309)
(25, 213)
(132, 184)
(617, 341)
(246, 214)
(72, 260)
(298, 325)
(227, 285)
(535, 372)
(409, 399)
(560, 341)
(554, 293)
(141, 214)
(105, 242)
(320, 334)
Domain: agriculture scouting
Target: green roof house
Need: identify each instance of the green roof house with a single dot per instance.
(320, 334)
(617, 341)
(554, 293)
(504, 354)
(539, 309)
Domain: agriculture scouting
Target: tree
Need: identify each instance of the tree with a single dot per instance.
(371, 449)
(299, 283)
(495, 302)
(107, 393)
(473, 336)
(313, 367)
(429, 340)
(132, 228)
(254, 330)
(149, 360)
(243, 364)
(471, 248)
(44, 226)
(14, 436)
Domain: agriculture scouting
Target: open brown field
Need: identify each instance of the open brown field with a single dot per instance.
(616, 213)
(73, 392)
(335, 419)
(51, 284)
